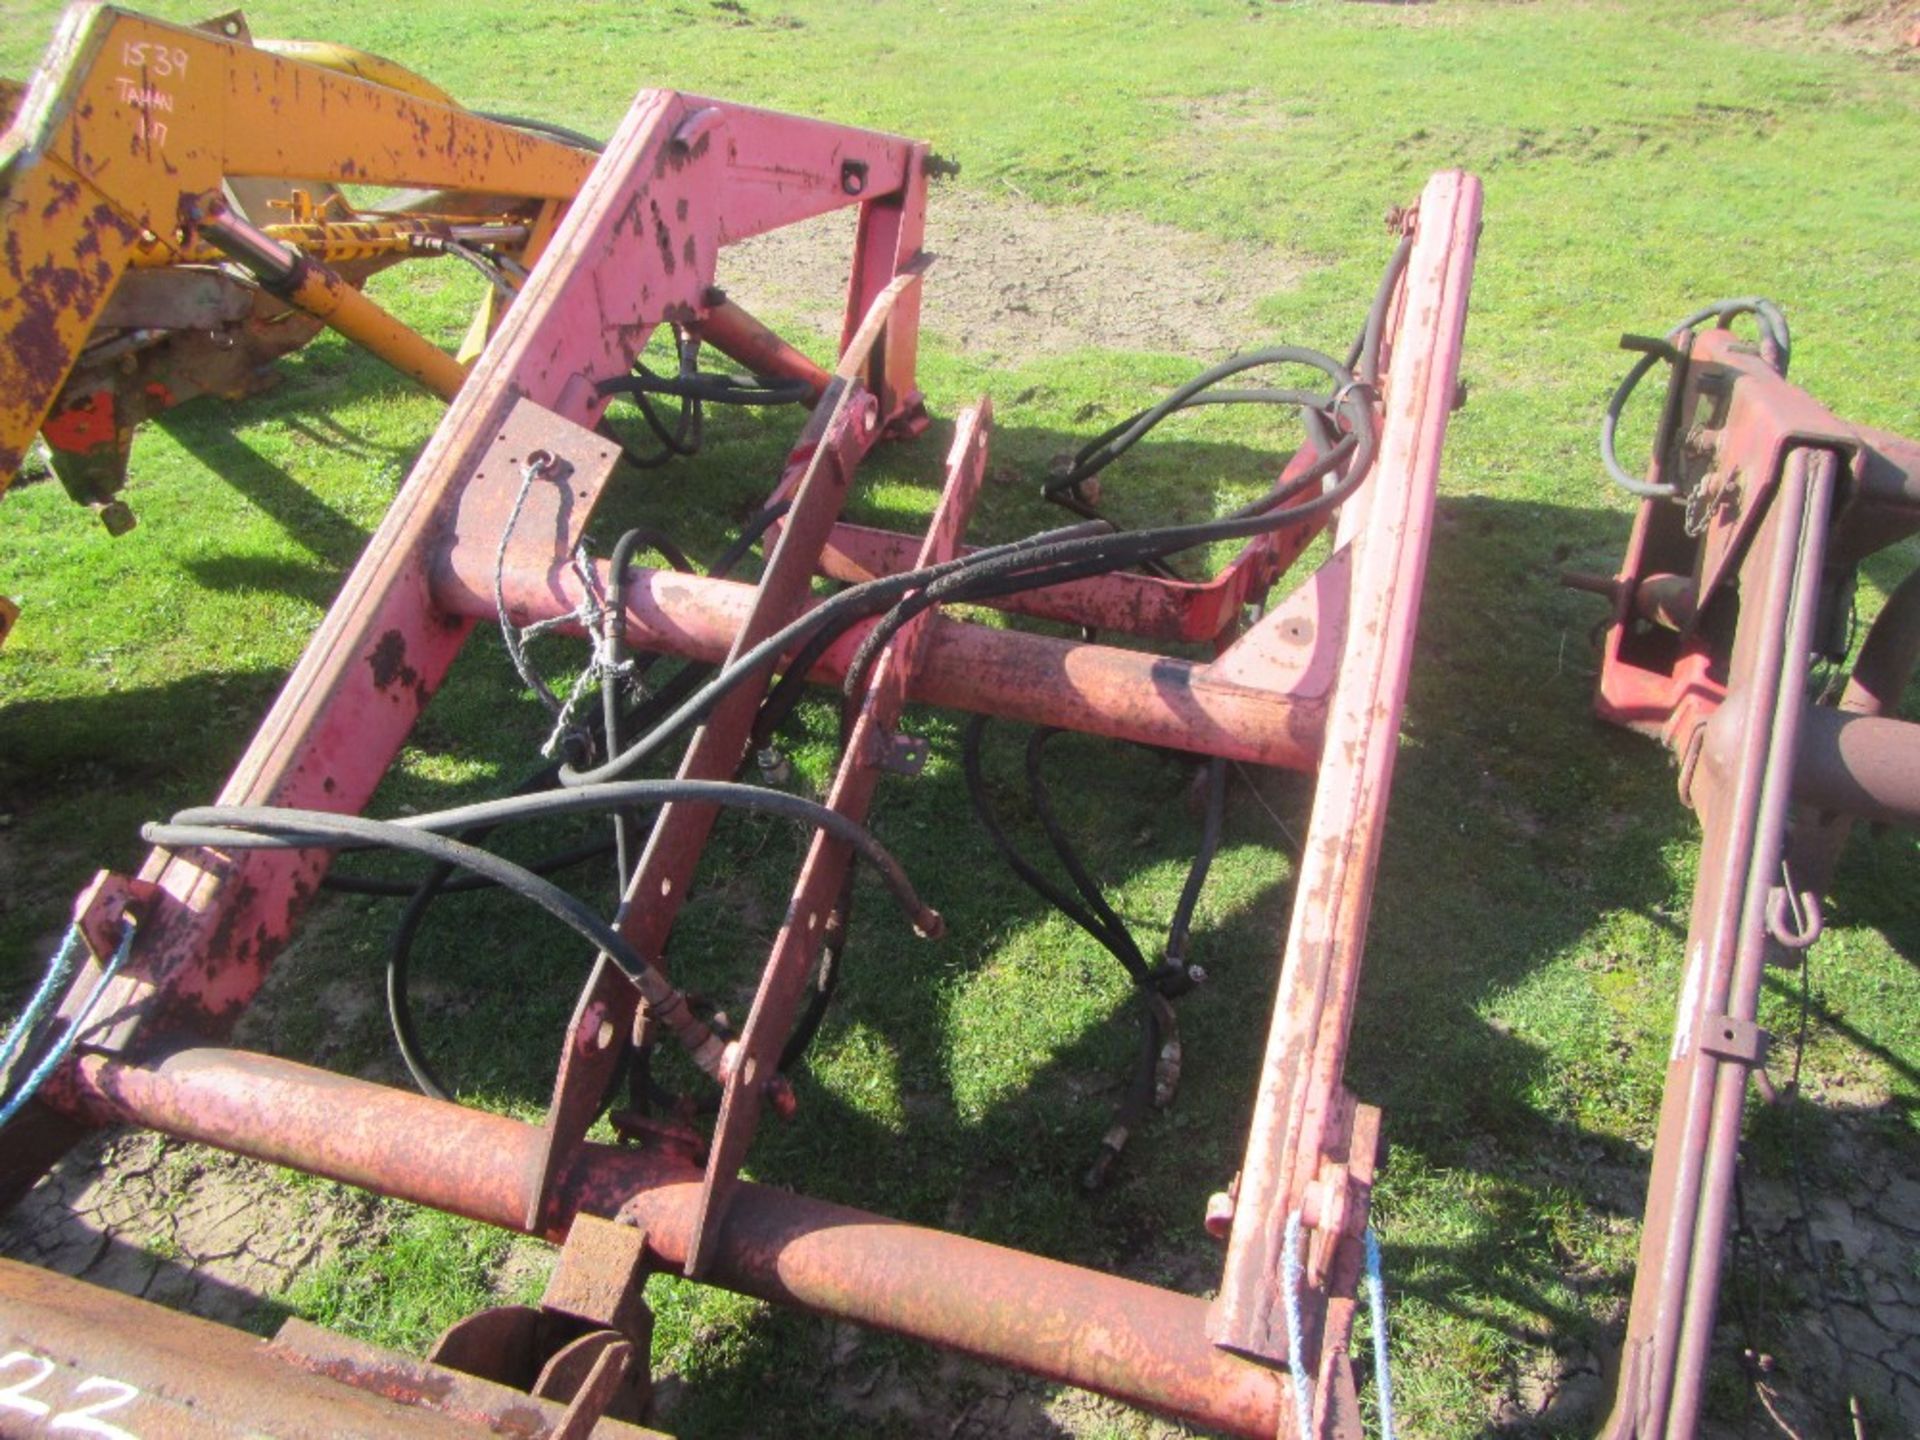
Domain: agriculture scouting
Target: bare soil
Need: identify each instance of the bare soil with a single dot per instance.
(1888, 31)
(1013, 281)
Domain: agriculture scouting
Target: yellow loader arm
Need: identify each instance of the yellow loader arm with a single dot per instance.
(133, 133)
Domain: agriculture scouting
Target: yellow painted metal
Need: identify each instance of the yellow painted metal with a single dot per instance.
(129, 119)
(337, 241)
(348, 61)
(324, 295)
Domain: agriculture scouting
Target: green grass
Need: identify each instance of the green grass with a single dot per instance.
(1525, 945)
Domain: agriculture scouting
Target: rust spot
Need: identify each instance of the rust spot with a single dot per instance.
(662, 236)
(680, 208)
(65, 192)
(49, 293)
(389, 662)
(629, 217)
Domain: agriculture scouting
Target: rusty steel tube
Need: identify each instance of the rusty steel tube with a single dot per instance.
(739, 336)
(1095, 689)
(465, 1162)
(1135, 1342)
(1825, 780)
(1889, 655)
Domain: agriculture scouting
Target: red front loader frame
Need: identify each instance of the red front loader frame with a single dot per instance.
(1316, 684)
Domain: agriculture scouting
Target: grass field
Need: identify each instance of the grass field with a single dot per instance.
(1639, 158)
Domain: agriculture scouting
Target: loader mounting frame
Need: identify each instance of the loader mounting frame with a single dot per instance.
(1316, 684)
(1727, 595)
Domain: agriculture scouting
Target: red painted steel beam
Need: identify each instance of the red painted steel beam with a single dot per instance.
(1866, 767)
(1064, 1323)
(1144, 606)
(815, 907)
(738, 335)
(1301, 1152)
(1742, 789)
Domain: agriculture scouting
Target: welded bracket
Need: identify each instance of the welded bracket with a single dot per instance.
(1729, 1037)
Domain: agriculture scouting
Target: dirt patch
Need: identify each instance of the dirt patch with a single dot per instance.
(1854, 1265)
(180, 1225)
(1233, 115)
(866, 1381)
(1811, 1311)
(1013, 280)
(1888, 31)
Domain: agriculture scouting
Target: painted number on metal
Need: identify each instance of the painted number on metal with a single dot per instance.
(162, 60)
(75, 1419)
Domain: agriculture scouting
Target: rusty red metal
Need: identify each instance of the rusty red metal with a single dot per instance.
(1722, 603)
(1300, 1156)
(818, 904)
(1148, 606)
(1076, 685)
(1318, 682)
(1119, 1337)
(737, 335)
(79, 1358)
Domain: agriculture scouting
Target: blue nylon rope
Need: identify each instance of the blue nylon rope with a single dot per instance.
(1294, 1274)
(1377, 1306)
(57, 972)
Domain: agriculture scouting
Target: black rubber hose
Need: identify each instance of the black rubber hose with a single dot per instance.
(763, 520)
(786, 692)
(1122, 944)
(1036, 880)
(827, 981)
(465, 884)
(1069, 559)
(684, 436)
(1364, 358)
(406, 1035)
(1135, 427)
(545, 127)
(188, 826)
(618, 564)
(846, 608)
(1008, 574)
(1110, 446)
(263, 827)
(710, 387)
(1136, 1102)
(1212, 823)
(1773, 326)
(1156, 1069)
